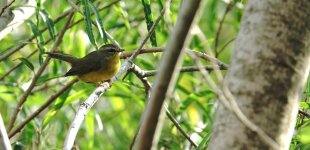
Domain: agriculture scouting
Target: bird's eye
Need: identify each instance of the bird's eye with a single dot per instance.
(111, 50)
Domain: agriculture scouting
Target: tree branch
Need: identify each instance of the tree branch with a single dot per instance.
(304, 113)
(169, 67)
(4, 140)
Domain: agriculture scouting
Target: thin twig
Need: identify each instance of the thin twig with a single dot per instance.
(178, 126)
(134, 138)
(184, 69)
(223, 48)
(213, 60)
(228, 8)
(37, 75)
(77, 8)
(304, 113)
(6, 6)
(160, 49)
(141, 75)
(50, 100)
(142, 51)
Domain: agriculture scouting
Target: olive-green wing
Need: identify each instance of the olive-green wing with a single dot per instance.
(83, 67)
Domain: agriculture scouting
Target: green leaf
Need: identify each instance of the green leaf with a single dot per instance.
(49, 23)
(149, 20)
(57, 106)
(75, 96)
(27, 63)
(202, 144)
(99, 23)
(62, 99)
(304, 135)
(304, 105)
(39, 39)
(88, 22)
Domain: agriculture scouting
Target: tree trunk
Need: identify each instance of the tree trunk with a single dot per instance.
(269, 68)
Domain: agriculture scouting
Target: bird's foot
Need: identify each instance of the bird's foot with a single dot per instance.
(102, 83)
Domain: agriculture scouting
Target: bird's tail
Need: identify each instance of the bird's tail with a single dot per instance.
(66, 58)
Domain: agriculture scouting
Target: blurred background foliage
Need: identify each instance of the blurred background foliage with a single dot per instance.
(113, 121)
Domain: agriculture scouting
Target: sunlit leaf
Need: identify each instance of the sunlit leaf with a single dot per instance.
(39, 38)
(49, 23)
(149, 20)
(27, 63)
(99, 23)
(88, 22)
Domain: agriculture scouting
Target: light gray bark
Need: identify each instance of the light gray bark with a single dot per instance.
(4, 140)
(270, 64)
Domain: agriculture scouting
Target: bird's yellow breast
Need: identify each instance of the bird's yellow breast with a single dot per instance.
(98, 76)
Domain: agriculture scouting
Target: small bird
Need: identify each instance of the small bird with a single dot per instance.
(95, 67)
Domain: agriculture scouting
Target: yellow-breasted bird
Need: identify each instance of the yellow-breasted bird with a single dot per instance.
(95, 67)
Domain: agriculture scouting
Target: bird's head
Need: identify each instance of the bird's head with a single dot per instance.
(110, 51)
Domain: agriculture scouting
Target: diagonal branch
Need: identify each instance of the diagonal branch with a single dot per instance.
(166, 78)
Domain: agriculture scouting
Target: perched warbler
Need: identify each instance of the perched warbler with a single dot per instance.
(95, 67)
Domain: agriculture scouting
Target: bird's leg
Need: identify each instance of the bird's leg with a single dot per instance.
(101, 83)
(110, 82)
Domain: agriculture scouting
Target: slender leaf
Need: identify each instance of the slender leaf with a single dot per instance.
(39, 38)
(49, 23)
(88, 22)
(99, 23)
(149, 20)
(27, 63)
(202, 144)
